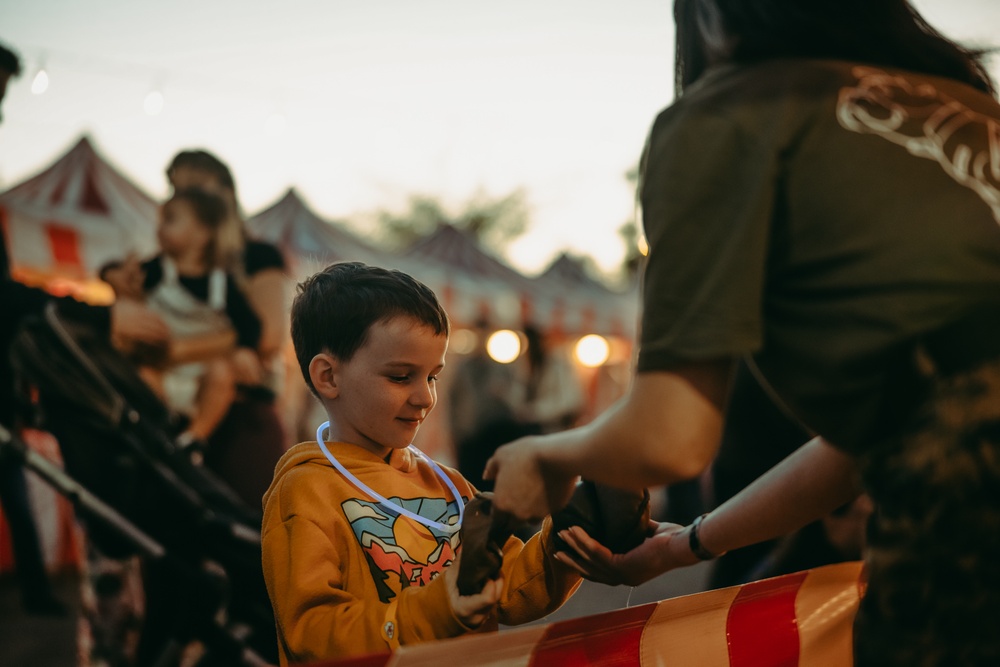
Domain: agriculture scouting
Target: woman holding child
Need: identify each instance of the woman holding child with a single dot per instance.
(230, 291)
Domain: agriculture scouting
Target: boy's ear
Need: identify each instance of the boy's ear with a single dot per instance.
(323, 375)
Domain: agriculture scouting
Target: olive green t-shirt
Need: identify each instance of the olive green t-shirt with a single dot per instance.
(820, 216)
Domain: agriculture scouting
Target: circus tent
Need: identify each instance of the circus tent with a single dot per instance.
(582, 304)
(475, 284)
(64, 223)
(471, 283)
(74, 216)
(308, 241)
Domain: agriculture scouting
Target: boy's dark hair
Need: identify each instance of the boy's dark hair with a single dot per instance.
(210, 209)
(335, 308)
(879, 32)
(9, 61)
(201, 160)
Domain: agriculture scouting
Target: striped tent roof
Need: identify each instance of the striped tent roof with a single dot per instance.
(472, 282)
(76, 214)
(307, 240)
(568, 271)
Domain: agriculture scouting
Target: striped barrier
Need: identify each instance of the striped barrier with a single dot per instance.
(797, 620)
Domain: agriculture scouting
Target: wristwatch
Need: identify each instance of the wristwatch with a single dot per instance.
(697, 548)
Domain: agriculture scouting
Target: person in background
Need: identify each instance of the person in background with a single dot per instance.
(188, 287)
(126, 319)
(484, 404)
(822, 201)
(251, 438)
(553, 396)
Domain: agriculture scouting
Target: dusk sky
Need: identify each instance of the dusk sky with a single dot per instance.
(361, 104)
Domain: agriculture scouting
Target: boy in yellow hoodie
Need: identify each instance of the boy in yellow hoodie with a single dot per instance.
(360, 530)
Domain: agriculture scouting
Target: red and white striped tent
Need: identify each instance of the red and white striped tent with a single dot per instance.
(473, 283)
(797, 620)
(74, 216)
(581, 304)
(308, 241)
(470, 282)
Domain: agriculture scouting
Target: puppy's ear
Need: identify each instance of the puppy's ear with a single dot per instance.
(323, 373)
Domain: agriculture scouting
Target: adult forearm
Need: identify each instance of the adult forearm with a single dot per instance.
(809, 484)
(199, 348)
(666, 429)
(266, 294)
(619, 449)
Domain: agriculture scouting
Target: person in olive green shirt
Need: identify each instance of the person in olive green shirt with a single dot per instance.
(823, 200)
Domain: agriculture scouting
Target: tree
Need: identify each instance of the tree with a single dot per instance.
(492, 221)
(631, 234)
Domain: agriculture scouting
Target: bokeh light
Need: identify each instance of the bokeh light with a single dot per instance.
(463, 341)
(592, 350)
(40, 83)
(504, 346)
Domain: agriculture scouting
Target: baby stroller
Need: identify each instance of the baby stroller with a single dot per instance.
(117, 441)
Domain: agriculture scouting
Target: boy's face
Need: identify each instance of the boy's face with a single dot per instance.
(384, 392)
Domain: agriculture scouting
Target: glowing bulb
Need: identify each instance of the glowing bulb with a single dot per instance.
(275, 124)
(153, 104)
(40, 83)
(503, 346)
(463, 341)
(592, 350)
(643, 245)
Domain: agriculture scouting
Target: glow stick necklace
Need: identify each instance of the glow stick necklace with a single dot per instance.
(387, 504)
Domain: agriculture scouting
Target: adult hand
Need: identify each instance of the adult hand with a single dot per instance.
(131, 320)
(246, 366)
(471, 610)
(127, 278)
(667, 548)
(523, 484)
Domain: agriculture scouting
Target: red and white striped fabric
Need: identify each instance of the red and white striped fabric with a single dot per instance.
(59, 536)
(797, 620)
(75, 215)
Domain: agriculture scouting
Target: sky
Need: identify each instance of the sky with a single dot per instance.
(360, 105)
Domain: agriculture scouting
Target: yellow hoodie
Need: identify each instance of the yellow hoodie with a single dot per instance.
(346, 577)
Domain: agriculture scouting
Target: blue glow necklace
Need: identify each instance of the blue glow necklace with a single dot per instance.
(387, 504)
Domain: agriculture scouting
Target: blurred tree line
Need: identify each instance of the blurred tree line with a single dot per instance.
(494, 222)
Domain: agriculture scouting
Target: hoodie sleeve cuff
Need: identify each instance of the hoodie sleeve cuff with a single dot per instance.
(426, 615)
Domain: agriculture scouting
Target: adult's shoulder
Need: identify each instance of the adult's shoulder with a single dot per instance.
(261, 255)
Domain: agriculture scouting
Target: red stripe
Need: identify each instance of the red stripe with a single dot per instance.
(761, 629)
(611, 638)
(64, 244)
(91, 199)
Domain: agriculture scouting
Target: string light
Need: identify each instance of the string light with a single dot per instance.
(41, 82)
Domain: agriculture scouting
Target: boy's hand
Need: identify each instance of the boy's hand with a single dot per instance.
(471, 610)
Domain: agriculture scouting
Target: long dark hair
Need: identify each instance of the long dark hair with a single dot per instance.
(879, 32)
